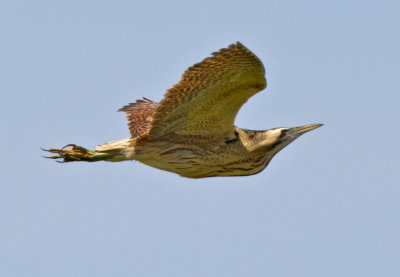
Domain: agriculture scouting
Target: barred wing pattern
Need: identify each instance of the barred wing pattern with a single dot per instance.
(139, 115)
(210, 94)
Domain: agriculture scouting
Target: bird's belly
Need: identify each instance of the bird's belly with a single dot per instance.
(182, 161)
(194, 163)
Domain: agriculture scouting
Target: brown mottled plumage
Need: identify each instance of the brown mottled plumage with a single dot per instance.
(191, 131)
(140, 116)
(210, 94)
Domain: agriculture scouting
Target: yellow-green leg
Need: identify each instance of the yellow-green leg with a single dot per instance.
(75, 153)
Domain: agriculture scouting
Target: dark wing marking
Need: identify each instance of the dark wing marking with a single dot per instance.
(139, 115)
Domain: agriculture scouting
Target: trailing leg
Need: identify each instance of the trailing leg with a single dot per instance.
(115, 151)
(75, 153)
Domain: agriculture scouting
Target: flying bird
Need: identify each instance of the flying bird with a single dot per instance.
(191, 131)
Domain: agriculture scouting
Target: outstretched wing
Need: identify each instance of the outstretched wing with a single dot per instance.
(139, 115)
(210, 94)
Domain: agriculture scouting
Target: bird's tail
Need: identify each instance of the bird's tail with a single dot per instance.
(112, 151)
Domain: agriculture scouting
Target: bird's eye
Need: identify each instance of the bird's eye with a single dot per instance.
(283, 131)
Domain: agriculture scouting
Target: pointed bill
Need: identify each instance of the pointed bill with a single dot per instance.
(304, 129)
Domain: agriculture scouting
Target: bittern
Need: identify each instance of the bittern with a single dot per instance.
(191, 132)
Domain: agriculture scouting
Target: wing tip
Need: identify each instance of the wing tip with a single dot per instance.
(130, 106)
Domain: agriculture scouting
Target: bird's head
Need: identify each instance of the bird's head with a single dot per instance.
(273, 140)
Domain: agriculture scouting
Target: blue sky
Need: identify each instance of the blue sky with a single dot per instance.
(327, 205)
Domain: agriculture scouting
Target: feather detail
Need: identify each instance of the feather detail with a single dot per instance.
(140, 116)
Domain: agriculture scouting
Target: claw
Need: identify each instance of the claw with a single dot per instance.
(75, 153)
(70, 145)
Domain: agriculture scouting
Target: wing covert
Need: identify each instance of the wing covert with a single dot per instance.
(210, 94)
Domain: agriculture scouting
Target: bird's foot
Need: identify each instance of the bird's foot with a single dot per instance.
(71, 153)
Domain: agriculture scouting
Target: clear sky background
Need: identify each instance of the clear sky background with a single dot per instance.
(327, 205)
